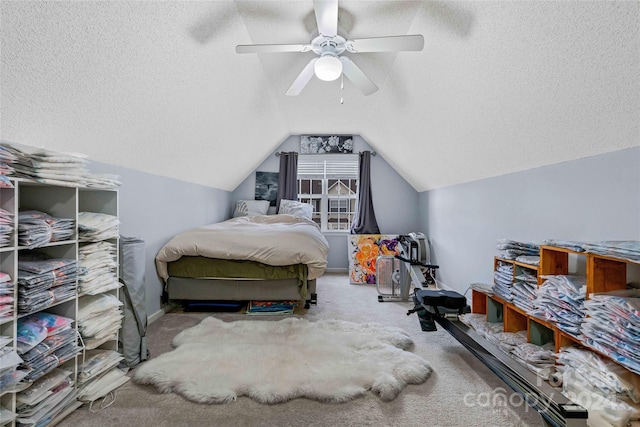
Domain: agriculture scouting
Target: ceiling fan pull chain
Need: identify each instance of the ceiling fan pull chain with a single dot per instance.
(341, 88)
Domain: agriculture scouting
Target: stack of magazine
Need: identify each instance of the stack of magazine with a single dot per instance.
(271, 307)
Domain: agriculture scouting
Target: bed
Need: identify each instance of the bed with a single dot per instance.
(261, 257)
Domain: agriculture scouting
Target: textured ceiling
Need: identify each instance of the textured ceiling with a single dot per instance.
(157, 86)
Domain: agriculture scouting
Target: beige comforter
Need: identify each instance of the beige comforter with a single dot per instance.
(269, 239)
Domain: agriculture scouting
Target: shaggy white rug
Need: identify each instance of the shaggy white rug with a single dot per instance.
(276, 361)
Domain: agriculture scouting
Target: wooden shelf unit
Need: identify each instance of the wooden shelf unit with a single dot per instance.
(603, 274)
(63, 201)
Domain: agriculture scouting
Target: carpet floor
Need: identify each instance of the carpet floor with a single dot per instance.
(460, 392)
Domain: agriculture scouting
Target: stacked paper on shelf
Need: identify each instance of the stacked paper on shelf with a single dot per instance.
(613, 391)
(43, 282)
(99, 319)
(525, 290)
(6, 296)
(36, 228)
(624, 249)
(510, 249)
(98, 268)
(560, 300)
(502, 279)
(6, 227)
(94, 226)
(46, 398)
(612, 326)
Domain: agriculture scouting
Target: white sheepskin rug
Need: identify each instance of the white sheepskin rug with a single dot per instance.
(276, 361)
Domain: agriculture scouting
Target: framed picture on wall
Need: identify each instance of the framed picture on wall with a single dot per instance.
(267, 186)
(342, 144)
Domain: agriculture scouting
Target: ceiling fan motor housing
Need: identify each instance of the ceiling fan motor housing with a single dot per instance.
(323, 44)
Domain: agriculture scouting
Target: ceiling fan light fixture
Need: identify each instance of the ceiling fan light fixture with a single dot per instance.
(328, 68)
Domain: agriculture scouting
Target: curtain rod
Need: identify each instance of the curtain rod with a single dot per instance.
(277, 153)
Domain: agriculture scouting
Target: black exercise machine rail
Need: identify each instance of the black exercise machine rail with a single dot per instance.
(555, 409)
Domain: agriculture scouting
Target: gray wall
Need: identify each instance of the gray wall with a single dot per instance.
(395, 201)
(595, 198)
(156, 208)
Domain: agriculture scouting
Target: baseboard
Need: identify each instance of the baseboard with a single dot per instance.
(155, 316)
(337, 270)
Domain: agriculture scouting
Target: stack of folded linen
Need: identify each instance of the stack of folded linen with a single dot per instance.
(98, 374)
(6, 227)
(6, 296)
(612, 326)
(36, 228)
(46, 398)
(538, 359)
(525, 291)
(54, 345)
(608, 391)
(104, 181)
(10, 375)
(560, 300)
(51, 167)
(46, 166)
(624, 249)
(94, 226)
(566, 244)
(44, 282)
(6, 159)
(503, 279)
(98, 268)
(511, 249)
(99, 319)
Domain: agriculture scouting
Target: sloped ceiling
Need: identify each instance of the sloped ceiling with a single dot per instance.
(157, 86)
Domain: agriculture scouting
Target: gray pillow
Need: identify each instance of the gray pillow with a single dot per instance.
(296, 208)
(251, 208)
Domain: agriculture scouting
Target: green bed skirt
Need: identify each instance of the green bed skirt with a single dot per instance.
(202, 267)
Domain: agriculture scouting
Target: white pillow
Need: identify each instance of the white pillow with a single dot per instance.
(293, 207)
(251, 208)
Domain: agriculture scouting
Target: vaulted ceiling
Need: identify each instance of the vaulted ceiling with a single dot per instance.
(157, 86)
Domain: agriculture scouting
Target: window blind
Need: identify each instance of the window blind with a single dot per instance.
(329, 166)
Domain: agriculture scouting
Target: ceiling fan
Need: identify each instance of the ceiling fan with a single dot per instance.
(329, 46)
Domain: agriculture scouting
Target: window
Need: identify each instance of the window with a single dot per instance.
(330, 184)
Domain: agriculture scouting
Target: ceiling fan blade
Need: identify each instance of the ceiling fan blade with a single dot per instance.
(386, 44)
(357, 77)
(327, 16)
(272, 48)
(302, 79)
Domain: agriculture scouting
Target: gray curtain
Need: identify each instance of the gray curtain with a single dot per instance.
(287, 178)
(364, 221)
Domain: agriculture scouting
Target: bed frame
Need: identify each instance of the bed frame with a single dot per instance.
(191, 289)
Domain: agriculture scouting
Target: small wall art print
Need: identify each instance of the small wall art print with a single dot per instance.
(326, 144)
(364, 250)
(267, 186)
